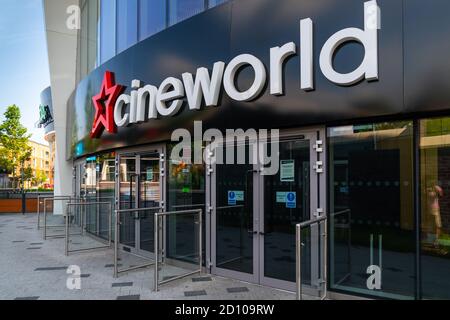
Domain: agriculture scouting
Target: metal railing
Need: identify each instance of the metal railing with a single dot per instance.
(63, 215)
(158, 227)
(83, 224)
(118, 213)
(299, 244)
(40, 201)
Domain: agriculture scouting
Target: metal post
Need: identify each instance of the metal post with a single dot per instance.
(200, 245)
(38, 207)
(109, 225)
(45, 220)
(116, 241)
(67, 231)
(156, 234)
(23, 190)
(325, 259)
(298, 242)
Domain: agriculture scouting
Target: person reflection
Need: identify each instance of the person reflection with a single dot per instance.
(435, 192)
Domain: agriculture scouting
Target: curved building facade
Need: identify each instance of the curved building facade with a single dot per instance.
(339, 108)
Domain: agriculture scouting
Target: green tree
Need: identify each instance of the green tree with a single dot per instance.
(14, 139)
(39, 178)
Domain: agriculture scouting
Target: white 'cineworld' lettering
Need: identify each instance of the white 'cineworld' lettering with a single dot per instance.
(150, 102)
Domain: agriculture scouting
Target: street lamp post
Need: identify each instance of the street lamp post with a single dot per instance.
(23, 190)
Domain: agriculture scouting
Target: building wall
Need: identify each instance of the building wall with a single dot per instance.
(41, 161)
(62, 54)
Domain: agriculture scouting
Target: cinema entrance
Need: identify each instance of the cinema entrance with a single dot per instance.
(254, 215)
(139, 184)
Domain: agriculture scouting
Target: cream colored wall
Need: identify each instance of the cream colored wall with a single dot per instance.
(62, 54)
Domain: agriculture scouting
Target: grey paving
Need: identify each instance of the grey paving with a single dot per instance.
(43, 273)
(122, 284)
(50, 268)
(201, 279)
(195, 293)
(26, 298)
(129, 297)
(237, 290)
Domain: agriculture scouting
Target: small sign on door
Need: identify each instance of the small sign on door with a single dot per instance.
(231, 198)
(291, 200)
(287, 171)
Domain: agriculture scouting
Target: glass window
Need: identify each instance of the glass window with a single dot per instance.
(83, 39)
(213, 3)
(185, 191)
(372, 239)
(435, 200)
(92, 34)
(183, 9)
(107, 30)
(152, 17)
(126, 24)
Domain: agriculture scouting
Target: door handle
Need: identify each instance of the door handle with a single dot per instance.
(252, 232)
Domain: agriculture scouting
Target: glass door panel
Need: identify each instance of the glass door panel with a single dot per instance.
(127, 199)
(287, 202)
(149, 197)
(234, 216)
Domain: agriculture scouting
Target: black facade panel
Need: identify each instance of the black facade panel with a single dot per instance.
(254, 26)
(427, 55)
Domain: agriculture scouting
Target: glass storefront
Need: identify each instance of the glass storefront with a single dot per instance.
(97, 184)
(371, 212)
(373, 239)
(186, 190)
(435, 207)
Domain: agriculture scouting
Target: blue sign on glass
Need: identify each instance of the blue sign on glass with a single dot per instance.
(231, 198)
(291, 200)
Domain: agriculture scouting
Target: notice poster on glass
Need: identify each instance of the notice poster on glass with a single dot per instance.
(149, 174)
(287, 170)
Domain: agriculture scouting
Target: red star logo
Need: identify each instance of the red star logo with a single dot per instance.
(104, 103)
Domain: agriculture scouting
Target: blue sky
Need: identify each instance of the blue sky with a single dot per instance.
(24, 71)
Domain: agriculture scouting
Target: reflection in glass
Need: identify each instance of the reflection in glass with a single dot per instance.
(152, 17)
(87, 37)
(234, 219)
(185, 191)
(127, 199)
(107, 30)
(127, 11)
(213, 3)
(371, 208)
(279, 220)
(98, 186)
(183, 9)
(435, 217)
(149, 197)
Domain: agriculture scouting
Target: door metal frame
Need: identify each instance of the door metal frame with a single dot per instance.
(317, 201)
(213, 218)
(137, 153)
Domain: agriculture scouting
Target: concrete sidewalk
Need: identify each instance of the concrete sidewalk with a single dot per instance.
(31, 268)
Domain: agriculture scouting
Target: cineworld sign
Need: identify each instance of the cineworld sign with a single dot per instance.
(115, 109)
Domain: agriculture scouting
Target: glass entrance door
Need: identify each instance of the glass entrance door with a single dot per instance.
(254, 214)
(140, 186)
(234, 233)
(288, 197)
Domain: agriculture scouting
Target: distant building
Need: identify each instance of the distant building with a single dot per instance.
(41, 162)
